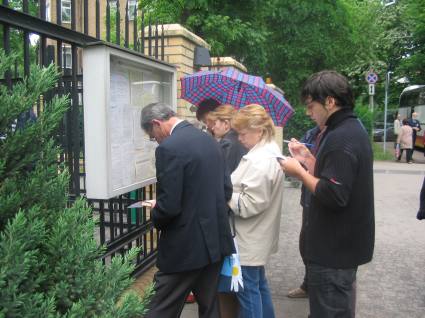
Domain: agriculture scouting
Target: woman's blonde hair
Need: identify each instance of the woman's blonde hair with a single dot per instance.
(254, 117)
(223, 112)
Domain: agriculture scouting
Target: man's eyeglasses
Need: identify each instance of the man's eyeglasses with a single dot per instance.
(149, 135)
(150, 138)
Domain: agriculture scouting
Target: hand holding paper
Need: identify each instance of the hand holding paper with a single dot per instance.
(140, 204)
(300, 152)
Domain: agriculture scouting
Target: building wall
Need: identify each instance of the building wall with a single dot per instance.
(79, 21)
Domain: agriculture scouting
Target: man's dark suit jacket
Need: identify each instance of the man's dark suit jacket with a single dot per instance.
(192, 194)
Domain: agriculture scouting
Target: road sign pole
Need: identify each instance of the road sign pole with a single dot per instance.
(387, 88)
(371, 77)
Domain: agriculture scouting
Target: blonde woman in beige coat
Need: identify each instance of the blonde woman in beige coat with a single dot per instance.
(405, 140)
(257, 204)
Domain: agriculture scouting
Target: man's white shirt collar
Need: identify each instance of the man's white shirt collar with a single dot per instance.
(174, 126)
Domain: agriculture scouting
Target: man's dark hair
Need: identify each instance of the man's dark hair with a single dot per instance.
(325, 84)
(159, 111)
(206, 106)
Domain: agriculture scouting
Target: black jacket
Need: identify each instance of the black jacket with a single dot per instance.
(191, 208)
(233, 150)
(340, 231)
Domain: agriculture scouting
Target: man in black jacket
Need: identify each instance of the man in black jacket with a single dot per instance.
(340, 225)
(190, 211)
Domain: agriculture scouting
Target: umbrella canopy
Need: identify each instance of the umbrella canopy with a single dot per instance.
(229, 86)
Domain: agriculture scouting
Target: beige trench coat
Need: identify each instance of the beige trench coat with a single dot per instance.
(405, 137)
(257, 203)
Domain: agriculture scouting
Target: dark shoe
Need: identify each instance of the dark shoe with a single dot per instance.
(297, 293)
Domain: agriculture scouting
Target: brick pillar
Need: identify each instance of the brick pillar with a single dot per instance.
(179, 47)
(226, 61)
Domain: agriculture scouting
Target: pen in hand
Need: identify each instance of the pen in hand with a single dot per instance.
(302, 143)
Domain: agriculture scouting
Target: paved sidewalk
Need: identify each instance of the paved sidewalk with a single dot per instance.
(393, 284)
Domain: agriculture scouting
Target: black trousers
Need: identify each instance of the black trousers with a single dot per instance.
(171, 290)
(409, 153)
(332, 292)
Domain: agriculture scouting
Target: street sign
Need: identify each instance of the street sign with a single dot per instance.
(371, 89)
(371, 77)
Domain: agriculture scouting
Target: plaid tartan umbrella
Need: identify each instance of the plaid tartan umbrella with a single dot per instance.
(229, 86)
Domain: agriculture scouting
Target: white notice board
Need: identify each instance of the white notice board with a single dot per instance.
(117, 85)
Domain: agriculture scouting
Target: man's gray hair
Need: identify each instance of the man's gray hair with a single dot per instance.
(159, 111)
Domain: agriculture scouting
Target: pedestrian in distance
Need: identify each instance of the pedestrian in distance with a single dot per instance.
(340, 219)
(190, 212)
(397, 126)
(416, 126)
(405, 141)
(257, 204)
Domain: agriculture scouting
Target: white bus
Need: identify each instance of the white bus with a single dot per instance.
(412, 99)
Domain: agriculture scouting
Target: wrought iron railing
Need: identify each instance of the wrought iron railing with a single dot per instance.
(45, 32)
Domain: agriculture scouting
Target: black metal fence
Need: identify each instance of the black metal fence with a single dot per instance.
(55, 31)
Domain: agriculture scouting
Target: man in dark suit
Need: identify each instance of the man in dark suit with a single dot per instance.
(190, 211)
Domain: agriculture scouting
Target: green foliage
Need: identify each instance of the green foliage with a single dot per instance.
(365, 115)
(229, 27)
(49, 260)
(412, 63)
(298, 125)
(379, 154)
(113, 26)
(291, 39)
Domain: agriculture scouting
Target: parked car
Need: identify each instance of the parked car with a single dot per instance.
(378, 132)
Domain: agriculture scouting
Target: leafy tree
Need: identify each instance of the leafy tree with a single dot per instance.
(413, 61)
(290, 40)
(49, 260)
(233, 28)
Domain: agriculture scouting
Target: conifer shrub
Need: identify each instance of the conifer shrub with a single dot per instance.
(50, 262)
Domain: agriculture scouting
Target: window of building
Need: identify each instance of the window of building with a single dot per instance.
(48, 16)
(132, 8)
(66, 56)
(66, 11)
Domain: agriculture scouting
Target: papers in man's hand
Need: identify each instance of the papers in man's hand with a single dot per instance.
(140, 204)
